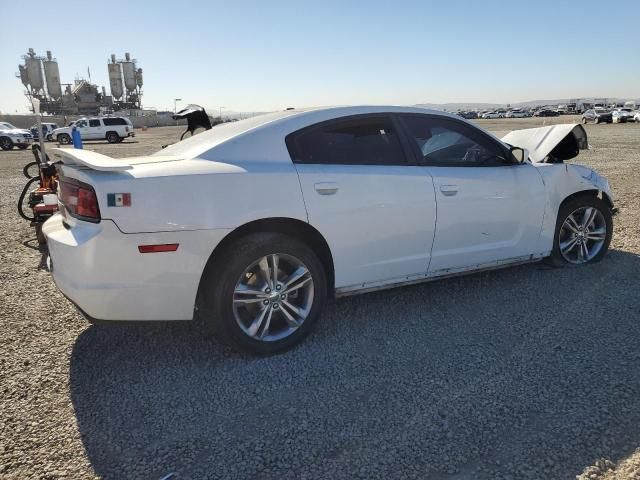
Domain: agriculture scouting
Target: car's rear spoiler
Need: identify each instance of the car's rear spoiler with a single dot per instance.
(104, 163)
(561, 142)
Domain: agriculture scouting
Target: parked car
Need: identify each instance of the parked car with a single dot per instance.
(47, 129)
(112, 129)
(468, 115)
(249, 226)
(546, 113)
(11, 136)
(492, 115)
(597, 115)
(622, 115)
(516, 114)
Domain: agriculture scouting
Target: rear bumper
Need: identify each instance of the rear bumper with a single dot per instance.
(101, 270)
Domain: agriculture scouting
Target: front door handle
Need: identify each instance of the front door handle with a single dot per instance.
(449, 190)
(326, 188)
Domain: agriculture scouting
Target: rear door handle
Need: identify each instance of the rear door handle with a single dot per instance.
(449, 190)
(326, 188)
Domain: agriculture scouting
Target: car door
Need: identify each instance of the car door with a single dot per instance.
(82, 126)
(376, 211)
(96, 130)
(490, 208)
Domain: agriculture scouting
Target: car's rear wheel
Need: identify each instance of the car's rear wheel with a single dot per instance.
(583, 231)
(49, 138)
(263, 294)
(64, 139)
(113, 137)
(6, 143)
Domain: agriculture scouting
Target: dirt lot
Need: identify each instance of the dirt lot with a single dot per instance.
(528, 372)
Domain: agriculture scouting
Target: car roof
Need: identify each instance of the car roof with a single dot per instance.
(261, 138)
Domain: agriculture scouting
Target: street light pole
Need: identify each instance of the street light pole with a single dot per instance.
(175, 102)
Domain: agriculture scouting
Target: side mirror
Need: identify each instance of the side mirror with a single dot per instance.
(520, 154)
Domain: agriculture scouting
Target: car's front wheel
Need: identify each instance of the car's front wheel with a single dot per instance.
(6, 143)
(263, 294)
(583, 231)
(64, 139)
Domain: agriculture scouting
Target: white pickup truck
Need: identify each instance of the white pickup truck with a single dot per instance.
(11, 136)
(111, 129)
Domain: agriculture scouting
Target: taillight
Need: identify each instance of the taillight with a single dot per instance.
(79, 200)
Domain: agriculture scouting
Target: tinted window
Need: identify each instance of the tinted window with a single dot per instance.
(444, 142)
(114, 121)
(357, 141)
(81, 124)
(94, 123)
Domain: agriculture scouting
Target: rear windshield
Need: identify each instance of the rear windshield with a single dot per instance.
(192, 147)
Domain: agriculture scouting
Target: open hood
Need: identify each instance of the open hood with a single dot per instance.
(551, 144)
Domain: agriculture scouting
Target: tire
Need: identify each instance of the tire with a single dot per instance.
(113, 137)
(64, 139)
(584, 120)
(231, 317)
(566, 235)
(6, 143)
(596, 120)
(49, 138)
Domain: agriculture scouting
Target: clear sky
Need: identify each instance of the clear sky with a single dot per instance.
(268, 55)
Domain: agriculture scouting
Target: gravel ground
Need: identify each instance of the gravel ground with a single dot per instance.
(528, 372)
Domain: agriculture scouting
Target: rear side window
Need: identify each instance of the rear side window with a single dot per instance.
(356, 141)
(94, 123)
(114, 121)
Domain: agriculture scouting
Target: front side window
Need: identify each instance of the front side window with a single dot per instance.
(94, 123)
(81, 124)
(356, 141)
(445, 142)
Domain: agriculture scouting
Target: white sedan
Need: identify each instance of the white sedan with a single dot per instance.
(249, 226)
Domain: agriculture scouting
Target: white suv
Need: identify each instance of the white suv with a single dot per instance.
(11, 136)
(112, 129)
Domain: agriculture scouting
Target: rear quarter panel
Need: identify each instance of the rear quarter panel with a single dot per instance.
(196, 194)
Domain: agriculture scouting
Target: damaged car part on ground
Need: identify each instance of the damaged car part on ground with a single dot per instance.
(304, 204)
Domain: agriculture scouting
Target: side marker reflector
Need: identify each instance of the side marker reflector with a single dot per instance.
(167, 247)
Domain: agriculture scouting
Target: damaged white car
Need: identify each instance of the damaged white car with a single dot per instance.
(249, 226)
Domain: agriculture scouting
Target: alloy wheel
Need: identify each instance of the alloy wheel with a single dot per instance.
(582, 235)
(273, 297)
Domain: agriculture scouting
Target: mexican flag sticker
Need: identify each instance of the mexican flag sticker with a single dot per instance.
(118, 199)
